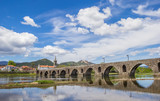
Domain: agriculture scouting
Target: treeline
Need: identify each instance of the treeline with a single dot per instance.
(143, 70)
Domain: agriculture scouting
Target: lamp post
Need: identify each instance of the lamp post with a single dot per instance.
(128, 57)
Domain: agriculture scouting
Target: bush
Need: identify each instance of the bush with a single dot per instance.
(45, 81)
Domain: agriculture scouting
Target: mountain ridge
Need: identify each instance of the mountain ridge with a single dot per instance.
(44, 61)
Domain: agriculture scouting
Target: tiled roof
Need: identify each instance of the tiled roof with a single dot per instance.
(46, 66)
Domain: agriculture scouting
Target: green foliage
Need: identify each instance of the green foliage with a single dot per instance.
(35, 64)
(59, 66)
(45, 82)
(143, 70)
(72, 63)
(11, 63)
(113, 70)
(92, 72)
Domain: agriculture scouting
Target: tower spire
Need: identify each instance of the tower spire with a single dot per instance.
(55, 62)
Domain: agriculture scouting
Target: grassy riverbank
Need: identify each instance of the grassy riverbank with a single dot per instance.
(39, 84)
(16, 74)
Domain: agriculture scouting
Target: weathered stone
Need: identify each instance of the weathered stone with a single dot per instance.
(125, 68)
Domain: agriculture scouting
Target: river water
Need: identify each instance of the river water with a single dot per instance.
(145, 88)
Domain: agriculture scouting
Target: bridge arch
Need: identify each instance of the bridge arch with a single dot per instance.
(124, 68)
(99, 69)
(159, 67)
(133, 70)
(74, 72)
(109, 82)
(108, 69)
(41, 73)
(89, 71)
(54, 73)
(81, 70)
(63, 73)
(46, 74)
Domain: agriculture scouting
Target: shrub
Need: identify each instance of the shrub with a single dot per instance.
(45, 81)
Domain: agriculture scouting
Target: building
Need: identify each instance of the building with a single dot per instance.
(26, 68)
(1, 67)
(44, 67)
(9, 68)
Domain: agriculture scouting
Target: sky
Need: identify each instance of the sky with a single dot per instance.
(74, 30)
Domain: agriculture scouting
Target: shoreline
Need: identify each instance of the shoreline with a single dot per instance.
(16, 74)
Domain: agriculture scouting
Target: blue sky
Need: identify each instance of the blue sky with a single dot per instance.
(76, 30)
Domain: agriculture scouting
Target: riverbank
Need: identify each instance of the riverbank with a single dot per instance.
(48, 83)
(6, 74)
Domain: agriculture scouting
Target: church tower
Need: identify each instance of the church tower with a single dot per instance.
(55, 62)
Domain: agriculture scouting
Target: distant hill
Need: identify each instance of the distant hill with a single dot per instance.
(35, 63)
(72, 63)
(2, 63)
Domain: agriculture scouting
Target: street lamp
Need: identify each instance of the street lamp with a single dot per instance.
(128, 57)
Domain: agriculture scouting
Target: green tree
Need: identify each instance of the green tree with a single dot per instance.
(33, 65)
(11, 63)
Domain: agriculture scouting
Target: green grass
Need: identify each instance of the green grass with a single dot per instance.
(113, 73)
(17, 74)
(45, 81)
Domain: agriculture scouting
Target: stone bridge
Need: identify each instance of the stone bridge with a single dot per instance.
(125, 68)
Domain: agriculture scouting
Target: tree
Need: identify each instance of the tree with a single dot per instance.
(33, 65)
(11, 63)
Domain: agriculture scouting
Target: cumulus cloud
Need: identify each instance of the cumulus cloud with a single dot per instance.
(142, 10)
(91, 17)
(113, 39)
(82, 30)
(146, 35)
(53, 50)
(29, 21)
(15, 43)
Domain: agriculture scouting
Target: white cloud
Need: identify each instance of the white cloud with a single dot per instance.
(82, 30)
(141, 10)
(72, 18)
(53, 50)
(124, 25)
(15, 43)
(112, 1)
(153, 51)
(120, 42)
(71, 34)
(116, 38)
(60, 42)
(91, 17)
(29, 21)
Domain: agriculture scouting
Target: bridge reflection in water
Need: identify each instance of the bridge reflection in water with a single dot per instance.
(151, 85)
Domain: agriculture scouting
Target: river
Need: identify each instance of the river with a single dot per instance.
(145, 88)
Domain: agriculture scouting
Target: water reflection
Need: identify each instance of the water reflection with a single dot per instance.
(144, 81)
(92, 89)
(74, 93)
(10, 79)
